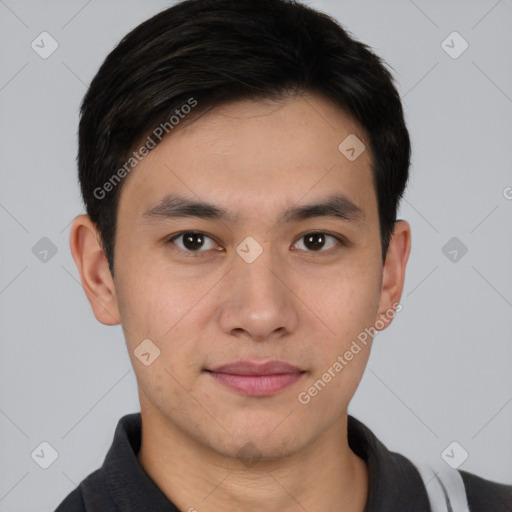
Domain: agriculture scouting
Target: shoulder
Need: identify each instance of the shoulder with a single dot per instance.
(90, 495)
(484, 495)
(73, 502)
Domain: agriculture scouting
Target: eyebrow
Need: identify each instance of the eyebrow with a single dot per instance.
(176, 206)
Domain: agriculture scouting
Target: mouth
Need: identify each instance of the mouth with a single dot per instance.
(255, 379)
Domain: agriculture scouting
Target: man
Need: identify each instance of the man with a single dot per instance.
(242, 163)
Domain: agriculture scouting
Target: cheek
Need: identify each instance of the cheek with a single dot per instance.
(151, 303)
(348, 303)
(168, 314)
(342, 355)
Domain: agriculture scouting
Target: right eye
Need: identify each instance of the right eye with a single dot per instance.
(192, 242)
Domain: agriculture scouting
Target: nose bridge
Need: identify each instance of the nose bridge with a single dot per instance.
(257, 300)
(255, 266)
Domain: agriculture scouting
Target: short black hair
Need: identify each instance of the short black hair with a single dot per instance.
(203, 53)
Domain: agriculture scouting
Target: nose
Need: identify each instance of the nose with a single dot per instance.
(257, 300)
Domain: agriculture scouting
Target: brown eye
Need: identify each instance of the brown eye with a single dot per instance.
(317, 240)
(192, 241)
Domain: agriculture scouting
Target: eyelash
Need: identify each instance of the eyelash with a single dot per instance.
(340, 240)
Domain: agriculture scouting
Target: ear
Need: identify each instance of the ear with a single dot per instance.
(97, 282)
(393, 273)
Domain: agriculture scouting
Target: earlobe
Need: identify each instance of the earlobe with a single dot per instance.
(393, 274)
(92, 265)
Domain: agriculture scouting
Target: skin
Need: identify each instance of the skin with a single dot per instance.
(207, 447)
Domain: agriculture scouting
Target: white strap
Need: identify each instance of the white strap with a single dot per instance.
(445, 489)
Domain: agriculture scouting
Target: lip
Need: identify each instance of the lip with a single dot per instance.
(256, 368)
(253, 378)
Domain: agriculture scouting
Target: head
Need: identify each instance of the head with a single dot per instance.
(227, 218)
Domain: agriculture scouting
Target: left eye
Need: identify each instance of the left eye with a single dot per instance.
(316, 241)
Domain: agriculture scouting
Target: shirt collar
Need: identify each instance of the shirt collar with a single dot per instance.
(394, 482)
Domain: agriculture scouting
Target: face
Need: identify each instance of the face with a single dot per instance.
(257, 276)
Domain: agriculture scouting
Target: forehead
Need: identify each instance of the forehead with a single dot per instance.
(249, 153)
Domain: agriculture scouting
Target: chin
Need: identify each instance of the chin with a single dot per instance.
(254, 445)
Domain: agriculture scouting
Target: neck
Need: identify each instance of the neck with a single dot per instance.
(326, 475)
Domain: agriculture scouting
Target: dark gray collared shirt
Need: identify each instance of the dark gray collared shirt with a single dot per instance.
(122, 485)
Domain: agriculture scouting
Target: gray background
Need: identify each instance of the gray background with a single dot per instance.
(440, 373)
